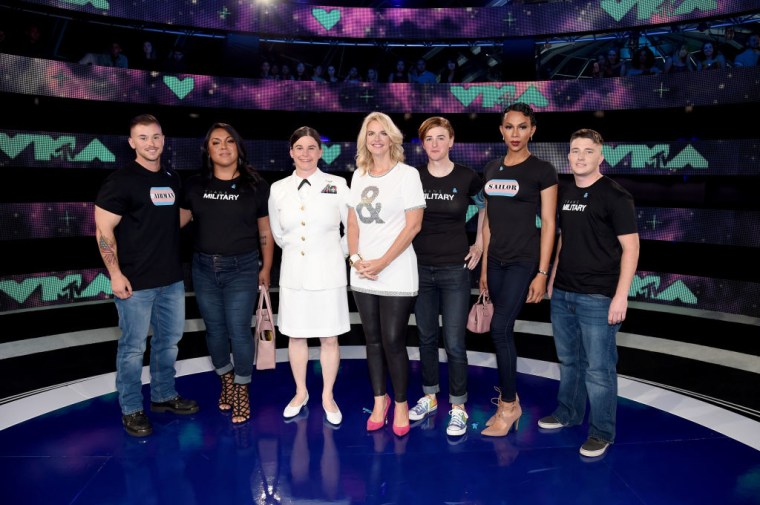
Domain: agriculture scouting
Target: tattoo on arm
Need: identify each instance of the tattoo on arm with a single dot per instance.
(263, 240)
(107, 250)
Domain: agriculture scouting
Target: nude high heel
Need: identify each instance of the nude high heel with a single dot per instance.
(507, 416)
(495, 401)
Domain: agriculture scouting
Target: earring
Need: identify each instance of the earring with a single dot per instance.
(531, 138)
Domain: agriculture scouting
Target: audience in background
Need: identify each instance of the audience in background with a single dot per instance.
(451, 72)
(679, 61)
(643, 63)
(177, 61)
(285, 73)
(615, 66)
(301, 73)
(709, 58)
(265, 71)
(372, 75)
(353, 75)
(32, 42)
(147, 59)
(598, 65)
(113, 58)
(721, 49)
(318, 75)
(399, 74)
(749, 56)
(421, 75)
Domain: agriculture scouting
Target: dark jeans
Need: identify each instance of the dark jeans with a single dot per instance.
(444, 291)
(226, 288)
(507, 286)
(385, 320)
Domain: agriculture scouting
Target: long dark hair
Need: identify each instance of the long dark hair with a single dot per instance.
(248, 175)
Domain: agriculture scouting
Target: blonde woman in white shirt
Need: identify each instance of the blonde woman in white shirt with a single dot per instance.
(306, 210)
(386, 203)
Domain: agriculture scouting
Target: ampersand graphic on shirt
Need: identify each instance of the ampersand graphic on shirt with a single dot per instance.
(368, 196)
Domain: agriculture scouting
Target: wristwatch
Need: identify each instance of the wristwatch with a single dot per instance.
(353, 259)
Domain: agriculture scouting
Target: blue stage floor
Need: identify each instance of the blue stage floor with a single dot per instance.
(79, 454)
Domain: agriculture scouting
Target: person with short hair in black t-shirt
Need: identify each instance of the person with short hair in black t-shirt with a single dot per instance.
(517, 252)
(442, 246)
(137, 229)
(597, 254)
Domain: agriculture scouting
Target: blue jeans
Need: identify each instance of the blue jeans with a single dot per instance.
(508, 285)
(587, 353)
(163, 309)
(226, 289)
(444, 290)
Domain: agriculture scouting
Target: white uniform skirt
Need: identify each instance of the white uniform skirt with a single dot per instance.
(313, 314)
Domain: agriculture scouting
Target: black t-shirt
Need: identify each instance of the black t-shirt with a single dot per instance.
(225, 214)
(590, 221)
(147, 237)
(513, 195)
(443, 237)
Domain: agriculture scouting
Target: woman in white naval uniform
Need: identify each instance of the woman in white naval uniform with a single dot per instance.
(306, 210)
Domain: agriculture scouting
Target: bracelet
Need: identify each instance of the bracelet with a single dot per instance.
(353, 259)
(543, 272)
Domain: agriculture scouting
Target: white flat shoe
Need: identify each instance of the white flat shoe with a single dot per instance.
(334, 418)
(291, 411)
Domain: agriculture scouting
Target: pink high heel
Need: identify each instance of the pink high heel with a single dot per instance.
(400, 431)
(374, 426)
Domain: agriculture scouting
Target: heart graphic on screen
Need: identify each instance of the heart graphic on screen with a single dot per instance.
(326, 19)
(330, 153)
(179, 88)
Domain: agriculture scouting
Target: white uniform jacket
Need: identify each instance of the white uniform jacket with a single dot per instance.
(308, 231)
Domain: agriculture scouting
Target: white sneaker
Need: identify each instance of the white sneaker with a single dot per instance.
(457, 423)
(425, 406)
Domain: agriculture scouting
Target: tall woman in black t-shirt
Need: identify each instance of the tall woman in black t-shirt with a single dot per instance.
(227, 203)
(516, 252)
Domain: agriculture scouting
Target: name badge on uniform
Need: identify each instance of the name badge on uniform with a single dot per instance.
(329, 188)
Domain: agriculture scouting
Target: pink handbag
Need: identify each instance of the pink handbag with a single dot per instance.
(264, 334)
(479, 319)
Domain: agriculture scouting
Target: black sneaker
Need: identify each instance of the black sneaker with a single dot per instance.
(550, 423)
(137, 424)
(593, 447)
(176, 405)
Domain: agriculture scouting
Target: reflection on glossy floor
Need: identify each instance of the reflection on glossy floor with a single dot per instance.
(80, 454)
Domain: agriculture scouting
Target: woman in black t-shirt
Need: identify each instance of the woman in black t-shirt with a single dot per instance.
(227, 203)
(516, 252)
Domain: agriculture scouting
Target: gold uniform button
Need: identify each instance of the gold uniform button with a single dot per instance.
(303, 238)
(301, 207)
(303, 253)
(303, 223)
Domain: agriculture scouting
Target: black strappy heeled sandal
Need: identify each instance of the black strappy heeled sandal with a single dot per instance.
(228, 390)
(241, 404)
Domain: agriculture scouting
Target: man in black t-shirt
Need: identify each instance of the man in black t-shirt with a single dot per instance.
(137, 229)
(596, 259)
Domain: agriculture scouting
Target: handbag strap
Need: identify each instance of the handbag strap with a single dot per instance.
(264, 301)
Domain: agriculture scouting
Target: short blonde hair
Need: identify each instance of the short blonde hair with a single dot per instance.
(364, 161)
